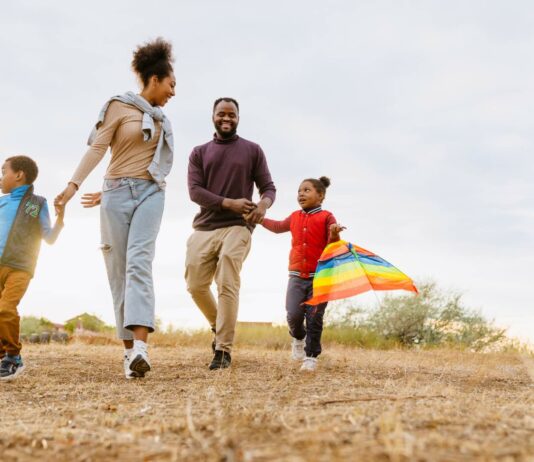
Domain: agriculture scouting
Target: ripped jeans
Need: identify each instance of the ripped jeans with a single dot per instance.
(130, 218)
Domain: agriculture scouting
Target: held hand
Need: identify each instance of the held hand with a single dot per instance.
(91, 199)
(247, 218)
(60, 212)
(239, 206)
(64, 196)
(257, 215)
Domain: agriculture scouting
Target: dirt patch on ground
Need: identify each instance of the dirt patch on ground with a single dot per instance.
(73, 403)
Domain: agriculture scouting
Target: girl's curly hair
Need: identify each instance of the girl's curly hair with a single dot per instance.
(153, 58)
(320, 184)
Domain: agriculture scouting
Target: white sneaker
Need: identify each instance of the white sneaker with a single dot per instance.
(138, 361)
(129, 374)
(309, 364)
(297, 349)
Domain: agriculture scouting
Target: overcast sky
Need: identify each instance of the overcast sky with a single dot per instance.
(419, 112)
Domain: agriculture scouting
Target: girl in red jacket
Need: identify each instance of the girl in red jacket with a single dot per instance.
(312, 228)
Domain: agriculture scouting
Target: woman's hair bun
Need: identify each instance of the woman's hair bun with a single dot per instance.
(153, 58)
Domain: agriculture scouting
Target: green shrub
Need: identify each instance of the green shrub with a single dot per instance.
(34, 325)
(433, 318)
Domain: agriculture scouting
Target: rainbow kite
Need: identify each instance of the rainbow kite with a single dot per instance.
(345, 270)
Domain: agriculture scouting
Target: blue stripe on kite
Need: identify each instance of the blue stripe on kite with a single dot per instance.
(376, 260)
(336, 261)
(349, 256)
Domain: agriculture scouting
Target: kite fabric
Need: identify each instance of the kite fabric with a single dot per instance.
(345, 270)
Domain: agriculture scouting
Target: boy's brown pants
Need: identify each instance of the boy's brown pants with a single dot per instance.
(13, 285)
(219, 255)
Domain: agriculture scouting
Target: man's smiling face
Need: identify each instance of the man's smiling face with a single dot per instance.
(226, 119)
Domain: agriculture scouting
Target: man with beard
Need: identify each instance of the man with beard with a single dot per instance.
(221, 178)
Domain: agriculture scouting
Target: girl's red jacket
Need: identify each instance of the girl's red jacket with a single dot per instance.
(310, 233)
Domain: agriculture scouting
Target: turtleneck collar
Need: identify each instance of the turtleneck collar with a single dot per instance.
(224, 141)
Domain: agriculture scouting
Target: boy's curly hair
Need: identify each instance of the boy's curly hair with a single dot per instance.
(25, 164)
(153, 58)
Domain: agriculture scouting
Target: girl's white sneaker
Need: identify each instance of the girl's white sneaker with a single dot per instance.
(297, 349)
(309, 364)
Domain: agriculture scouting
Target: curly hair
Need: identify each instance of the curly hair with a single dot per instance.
(320, 184)
(153, 58)
(26, 165)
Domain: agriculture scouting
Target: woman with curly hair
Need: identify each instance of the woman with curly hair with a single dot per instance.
(133, 195)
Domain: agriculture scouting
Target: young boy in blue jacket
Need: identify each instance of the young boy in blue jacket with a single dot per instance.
(24, 221)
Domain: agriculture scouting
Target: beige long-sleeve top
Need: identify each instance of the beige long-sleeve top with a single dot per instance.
(130, 154)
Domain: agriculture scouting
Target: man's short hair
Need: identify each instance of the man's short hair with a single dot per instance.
(25, 164)
(227, 100)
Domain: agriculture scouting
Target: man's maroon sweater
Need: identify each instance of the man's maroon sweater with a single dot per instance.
(226, 169)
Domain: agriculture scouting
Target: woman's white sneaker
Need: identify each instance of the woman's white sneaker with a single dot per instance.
(129, 374)
(297, 349)
(138, 360)
(309, 364)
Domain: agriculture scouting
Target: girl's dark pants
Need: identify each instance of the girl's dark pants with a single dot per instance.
(299, 290)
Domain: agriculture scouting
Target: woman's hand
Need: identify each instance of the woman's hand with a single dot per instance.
(91, 199)
(64, 196)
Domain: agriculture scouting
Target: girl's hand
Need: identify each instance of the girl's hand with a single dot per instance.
(257, 215)
(248, 218)
(335, 229)
(91, 199)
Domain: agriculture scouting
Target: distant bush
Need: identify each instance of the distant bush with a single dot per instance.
(432, 318)
(34, 325)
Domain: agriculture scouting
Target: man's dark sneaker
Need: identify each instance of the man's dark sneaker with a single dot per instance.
(11, 367)
(221, 360)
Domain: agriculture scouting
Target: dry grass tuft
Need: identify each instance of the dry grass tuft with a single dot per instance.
(73, 403)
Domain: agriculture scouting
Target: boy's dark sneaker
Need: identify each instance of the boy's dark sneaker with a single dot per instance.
(11, 367)
(221, 360)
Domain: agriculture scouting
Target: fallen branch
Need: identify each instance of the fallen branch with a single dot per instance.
(191, 426)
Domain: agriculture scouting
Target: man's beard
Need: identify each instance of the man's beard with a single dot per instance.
(224, 134)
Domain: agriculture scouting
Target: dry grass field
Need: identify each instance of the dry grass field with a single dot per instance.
(73, 403)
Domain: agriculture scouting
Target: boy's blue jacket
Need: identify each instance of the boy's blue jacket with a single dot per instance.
(24, 221)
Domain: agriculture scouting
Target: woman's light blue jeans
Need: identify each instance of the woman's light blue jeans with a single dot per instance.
(130, 218)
